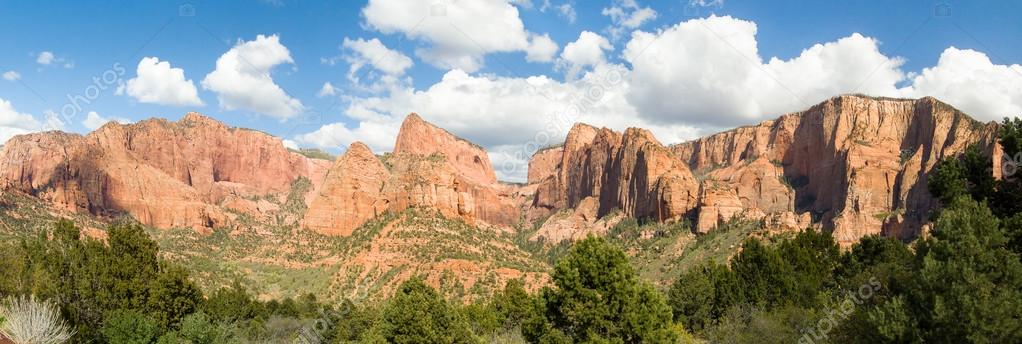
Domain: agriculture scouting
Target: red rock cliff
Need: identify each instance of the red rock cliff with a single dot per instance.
(166, 174)
(429, 168)
(631, 172)
(859, 164)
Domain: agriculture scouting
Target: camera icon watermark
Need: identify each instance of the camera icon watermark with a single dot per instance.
(942, 9)
(438, 9)
(186, 10)
(1010, 166)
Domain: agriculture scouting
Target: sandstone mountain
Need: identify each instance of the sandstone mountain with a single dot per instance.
(857, 164)
(429, 168)
(854, 165)
(165, 174)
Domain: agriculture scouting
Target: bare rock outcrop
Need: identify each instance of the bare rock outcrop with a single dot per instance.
(859, 164)
(544, 164)
(419, 137)
(430, 168)
(630, 171)
(352, 193)
(165, 174)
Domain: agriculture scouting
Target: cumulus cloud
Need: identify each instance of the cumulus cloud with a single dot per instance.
(541, 49)
(374, 53)
(627, 15)
(968, 80)
(510, 116)
(709, 72)
(11, 75)
(94, 121)
(680, 82)
(242, 79)
(378, 135)
(14, 123)
(587, 50)
(386, 65)
(45, 58)
(159, 83)
(457, 34)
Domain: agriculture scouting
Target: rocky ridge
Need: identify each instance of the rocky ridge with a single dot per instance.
(853, 164)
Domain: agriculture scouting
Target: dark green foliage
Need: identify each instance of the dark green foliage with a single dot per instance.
(353, 321)
(692, 298)
(129, 327)
(965, 286)
(947, 181)
(172, 296)
(417, 314)
(764, 276)
(513, 305)
(1010, 136)
(234, 303)
(598, 297)
(198, 328)
(746, 324)
(761, 278)
(812, 256)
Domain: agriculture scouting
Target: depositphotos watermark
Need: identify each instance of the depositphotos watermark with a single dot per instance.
(835, 316)
(76, 103)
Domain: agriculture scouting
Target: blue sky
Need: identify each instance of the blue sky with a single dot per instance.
(689, 68)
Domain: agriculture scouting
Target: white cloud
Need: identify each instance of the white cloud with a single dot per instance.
(159, 83)
(387, 65)
(11, 75)
(968, 80)
(708, 72)
(14, 123)
(567, 12)
(686, 80)
(94, 121)
(627, 15)
(587, 50)
(511, 117)
(242, 79)
(378, 135)
(289, 144)
(328, 89)
(541, 49)
(373, 53)
(459, 34)
(45, 58)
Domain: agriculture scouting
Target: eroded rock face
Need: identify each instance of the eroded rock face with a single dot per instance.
(631, 172)
(165, 174)
(430, 168)
(544, 164)
(421, 138)
(860, 164)
(352, 193)
(576, 224)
